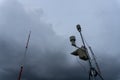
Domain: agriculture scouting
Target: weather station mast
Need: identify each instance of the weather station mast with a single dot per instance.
(84, 54)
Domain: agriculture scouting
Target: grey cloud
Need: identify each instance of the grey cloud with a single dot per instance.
(47, 54)
(45, 58)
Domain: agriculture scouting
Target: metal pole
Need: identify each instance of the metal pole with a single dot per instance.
(20, 73)
(89, 60)
(22, 66)
(99, 71)
(95, 60)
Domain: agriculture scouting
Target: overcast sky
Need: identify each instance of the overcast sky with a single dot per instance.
(51, 23)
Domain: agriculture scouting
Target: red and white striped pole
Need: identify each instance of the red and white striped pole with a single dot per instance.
(22, 66)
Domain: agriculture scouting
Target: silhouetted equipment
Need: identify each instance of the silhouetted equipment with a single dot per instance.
(93, 72)
(95, 60)
(72, 40)
(22, 65)
(20, 73)
(83, 54)
(78, 27)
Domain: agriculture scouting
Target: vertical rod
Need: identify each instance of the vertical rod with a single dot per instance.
(28, 39)
(20, 73)
(22, 66)
(89, 60)
(82, 39)
(95, 60)
(99, 71)
(86, 50)
(26, 48)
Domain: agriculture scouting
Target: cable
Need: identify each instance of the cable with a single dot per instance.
(82, 66)
(94, 58)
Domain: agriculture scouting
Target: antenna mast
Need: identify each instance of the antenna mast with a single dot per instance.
(83, 54)
(24, 57)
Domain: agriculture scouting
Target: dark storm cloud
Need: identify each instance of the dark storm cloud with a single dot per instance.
(46, 58)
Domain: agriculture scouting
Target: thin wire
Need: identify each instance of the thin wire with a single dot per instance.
(94, 58)
(82, 66)
(88, 45)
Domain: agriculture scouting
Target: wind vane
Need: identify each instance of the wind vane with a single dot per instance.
(24, 57)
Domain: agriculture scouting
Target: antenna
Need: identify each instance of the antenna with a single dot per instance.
(83, 54)
(24, 57)
(98, 68)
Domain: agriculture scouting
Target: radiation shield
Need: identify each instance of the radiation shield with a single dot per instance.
(72, 40)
